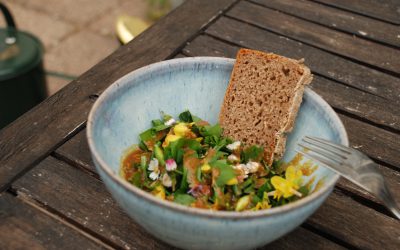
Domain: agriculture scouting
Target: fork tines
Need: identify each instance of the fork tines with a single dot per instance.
(323, 151)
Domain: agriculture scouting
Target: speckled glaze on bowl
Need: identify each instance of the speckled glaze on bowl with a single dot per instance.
(198, 84)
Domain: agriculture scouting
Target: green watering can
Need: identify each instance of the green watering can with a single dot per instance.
(22, 79)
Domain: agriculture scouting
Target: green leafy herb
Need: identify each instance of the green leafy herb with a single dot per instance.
(226, 172)
(184, 184)
(186, 116)
(184, 199)
(136, 179)
(264, 188)
(147, 135)
(143, 146)
(251, 153)
(160, 127)
(208, 179)
(157, 122)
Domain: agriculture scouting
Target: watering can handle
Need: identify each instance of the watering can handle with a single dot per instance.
(10, 39)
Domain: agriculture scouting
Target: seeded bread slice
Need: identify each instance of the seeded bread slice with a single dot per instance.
(262, 100)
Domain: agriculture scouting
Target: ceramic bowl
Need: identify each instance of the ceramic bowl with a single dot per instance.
(198, 84)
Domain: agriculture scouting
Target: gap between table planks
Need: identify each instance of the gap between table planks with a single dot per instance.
(24, 226)
(360, 50)
(83, 200)
(337, 19)
(365, 105)
(33, 136)
(386, 10)
(321, 62)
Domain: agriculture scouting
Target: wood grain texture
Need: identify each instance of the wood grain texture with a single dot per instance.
(316, 35)
(367, 106)
(335, 18)
(24, 227)
(56, 184)
(377, 143)
(33, 136)
(84, 200)
(77, 145)
(302, 238)
(387, 10)
(321, 62)
(356, 224)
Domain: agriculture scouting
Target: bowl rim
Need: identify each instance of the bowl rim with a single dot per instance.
(117, 179)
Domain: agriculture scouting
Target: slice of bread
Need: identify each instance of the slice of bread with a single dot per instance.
(262, 100)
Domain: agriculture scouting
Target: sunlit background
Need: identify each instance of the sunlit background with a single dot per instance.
(78, 34)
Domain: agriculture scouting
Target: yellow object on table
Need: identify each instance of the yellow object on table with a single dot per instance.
(128, 27)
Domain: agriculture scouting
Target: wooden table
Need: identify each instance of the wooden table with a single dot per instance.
(52, 197)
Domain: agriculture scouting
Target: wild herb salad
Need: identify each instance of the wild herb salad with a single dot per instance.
(189, 162)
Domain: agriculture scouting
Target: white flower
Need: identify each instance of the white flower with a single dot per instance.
(170, 164)
(233, 158)
(155, 170)
(251, 167)
(233, 146)
(242, 168)
(170, 122)
(166, 180)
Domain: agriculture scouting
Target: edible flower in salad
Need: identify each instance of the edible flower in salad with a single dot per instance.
(188, 161)
(287, 187)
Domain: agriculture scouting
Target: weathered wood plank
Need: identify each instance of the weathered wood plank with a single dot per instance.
(364, 105)
(377, 143)
(356, 224)
(302, 238)
(24, 227)
(85, 200)
(77, 145)
(320, 62)
(337, 19)
(387, 10)
(33, 136)
(373, 108)
(316, 35)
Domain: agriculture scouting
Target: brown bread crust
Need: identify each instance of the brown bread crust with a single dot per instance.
(262, 100)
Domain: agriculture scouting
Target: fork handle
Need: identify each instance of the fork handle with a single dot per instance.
(388, 200)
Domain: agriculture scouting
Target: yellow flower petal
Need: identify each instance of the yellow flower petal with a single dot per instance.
(294, 176)
(159, 192)
(170, 138)
(205, 168)
(282, 186)
(232, 181)
(181, 129)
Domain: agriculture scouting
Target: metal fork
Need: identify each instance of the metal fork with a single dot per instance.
(352, 165)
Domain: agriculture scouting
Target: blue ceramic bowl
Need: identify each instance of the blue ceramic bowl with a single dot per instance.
(198, 84)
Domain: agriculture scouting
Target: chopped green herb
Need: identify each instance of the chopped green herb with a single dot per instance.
(147, 135)
(184, 199)
(186, 116)
(253, 153)
(187, 162)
